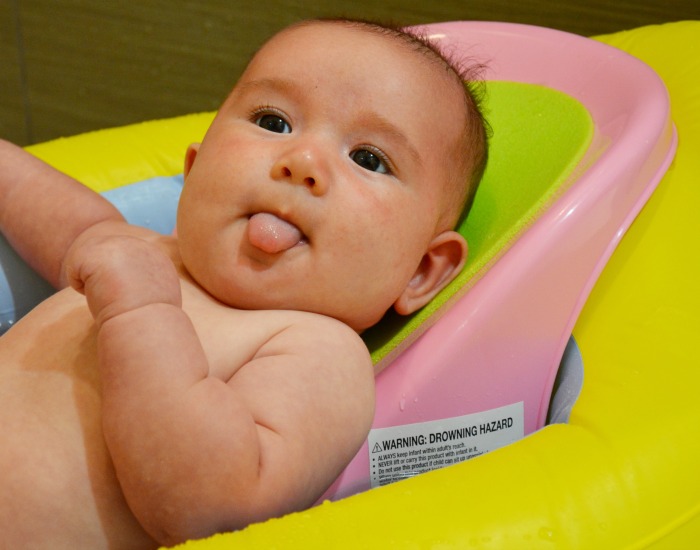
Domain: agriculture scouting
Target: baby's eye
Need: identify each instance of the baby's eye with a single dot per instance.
(273, 123)
(374, 162)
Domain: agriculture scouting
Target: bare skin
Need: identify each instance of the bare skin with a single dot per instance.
(174, 388)
(52, 413)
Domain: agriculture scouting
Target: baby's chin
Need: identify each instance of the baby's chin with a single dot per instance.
(255, 297)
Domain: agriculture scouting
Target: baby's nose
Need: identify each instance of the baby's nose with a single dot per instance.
(303, 166)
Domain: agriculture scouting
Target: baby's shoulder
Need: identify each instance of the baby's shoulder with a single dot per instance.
(321, 359)
(323, 352)
(318, 334)
(233, 338)
(316, 338)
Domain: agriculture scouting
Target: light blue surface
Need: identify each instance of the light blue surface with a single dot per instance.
(150, 203)
(567, 385)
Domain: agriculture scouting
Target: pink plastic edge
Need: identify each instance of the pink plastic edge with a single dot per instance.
(501, 343)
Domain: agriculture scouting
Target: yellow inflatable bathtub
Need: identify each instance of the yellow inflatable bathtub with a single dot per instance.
(622, 473)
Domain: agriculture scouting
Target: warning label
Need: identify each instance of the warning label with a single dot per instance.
(404, 451)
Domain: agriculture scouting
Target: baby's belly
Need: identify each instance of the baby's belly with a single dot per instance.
(57, 484)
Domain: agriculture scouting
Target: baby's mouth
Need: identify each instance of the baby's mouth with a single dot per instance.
(271, 234)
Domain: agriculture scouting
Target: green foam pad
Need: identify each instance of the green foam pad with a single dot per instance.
(539, 135)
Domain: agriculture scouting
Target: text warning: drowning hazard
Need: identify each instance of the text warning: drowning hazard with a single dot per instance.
(404, 451)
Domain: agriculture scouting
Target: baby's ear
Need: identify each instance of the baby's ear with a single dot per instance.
(190, 155)
(441, 263)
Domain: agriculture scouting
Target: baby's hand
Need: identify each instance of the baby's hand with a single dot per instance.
(121, 273)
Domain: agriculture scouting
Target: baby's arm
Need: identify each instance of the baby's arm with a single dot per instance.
(42, 210)
(196, 454)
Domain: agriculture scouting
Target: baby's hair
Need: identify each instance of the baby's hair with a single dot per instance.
(476, 131)
(467, 74)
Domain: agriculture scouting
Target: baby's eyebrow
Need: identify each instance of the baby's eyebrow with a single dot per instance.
(375, 122)
(265, 84)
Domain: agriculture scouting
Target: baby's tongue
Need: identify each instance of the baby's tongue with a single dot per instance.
(272, 234)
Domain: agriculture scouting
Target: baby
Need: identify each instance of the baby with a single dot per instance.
(192, 388)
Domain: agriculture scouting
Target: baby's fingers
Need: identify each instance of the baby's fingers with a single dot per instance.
(120, 274)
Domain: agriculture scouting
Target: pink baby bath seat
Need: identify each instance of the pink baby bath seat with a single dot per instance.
(477, 373)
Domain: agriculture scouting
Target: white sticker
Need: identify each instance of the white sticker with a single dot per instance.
(400, 452)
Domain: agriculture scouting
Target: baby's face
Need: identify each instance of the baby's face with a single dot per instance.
(321, 181)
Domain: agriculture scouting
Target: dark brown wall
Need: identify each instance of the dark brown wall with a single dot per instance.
(68, 66)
